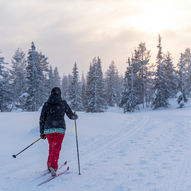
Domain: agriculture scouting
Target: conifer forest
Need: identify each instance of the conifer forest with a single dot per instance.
(26, 82)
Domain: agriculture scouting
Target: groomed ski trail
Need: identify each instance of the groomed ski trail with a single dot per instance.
(132, 130)
(147, 151)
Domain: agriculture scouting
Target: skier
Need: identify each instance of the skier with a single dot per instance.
(53, 127)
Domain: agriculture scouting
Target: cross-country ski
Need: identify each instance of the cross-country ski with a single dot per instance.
(60, 167)
(53, 177)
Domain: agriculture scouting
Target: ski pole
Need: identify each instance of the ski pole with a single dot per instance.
(14, 156)
(77, 148)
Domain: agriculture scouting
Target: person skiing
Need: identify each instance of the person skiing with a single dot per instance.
(53, 127)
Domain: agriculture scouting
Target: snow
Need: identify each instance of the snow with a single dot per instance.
(140, 151)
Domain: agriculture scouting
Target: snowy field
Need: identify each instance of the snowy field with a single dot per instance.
(141, 151)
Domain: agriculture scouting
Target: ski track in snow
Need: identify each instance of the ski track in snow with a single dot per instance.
(142, 151)
(115, 141)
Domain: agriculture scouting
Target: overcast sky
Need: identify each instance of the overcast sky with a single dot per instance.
(77, 30)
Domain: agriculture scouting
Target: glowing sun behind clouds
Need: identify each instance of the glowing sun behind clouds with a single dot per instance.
(155, 17)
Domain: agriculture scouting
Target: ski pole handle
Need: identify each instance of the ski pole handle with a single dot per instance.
(14, 156)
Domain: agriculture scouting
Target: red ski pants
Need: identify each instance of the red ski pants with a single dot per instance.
(55, 144)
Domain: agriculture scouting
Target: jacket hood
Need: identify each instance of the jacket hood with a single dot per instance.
(54, 99)
(56, 90)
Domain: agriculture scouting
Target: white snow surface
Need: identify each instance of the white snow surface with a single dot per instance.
(141, 151)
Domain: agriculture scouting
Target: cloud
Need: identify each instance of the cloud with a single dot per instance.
(77, 30)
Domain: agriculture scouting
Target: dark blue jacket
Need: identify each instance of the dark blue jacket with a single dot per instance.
(52, 115)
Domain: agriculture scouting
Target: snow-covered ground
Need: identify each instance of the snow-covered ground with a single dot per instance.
(141, 151)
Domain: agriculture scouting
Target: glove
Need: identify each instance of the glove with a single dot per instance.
(75, 116)
(43, 136)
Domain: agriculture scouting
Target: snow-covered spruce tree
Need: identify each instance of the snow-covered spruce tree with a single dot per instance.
(89, 89)
(150, 86)
(187, 63)
(129, 99)
(50, 79)
(171, 76)
(56, 78)
(134, 64)
(35, 80)
(142, 57)
(139, 64)
(101, 102)
(83, 92)
(111, 83)
(5, 91)
(65, 88)
(182, 84)
(95, 88)
(120, 83)
(18, 76)
(44, 66)
(69, 79)
(161, 90)
(75, 96)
